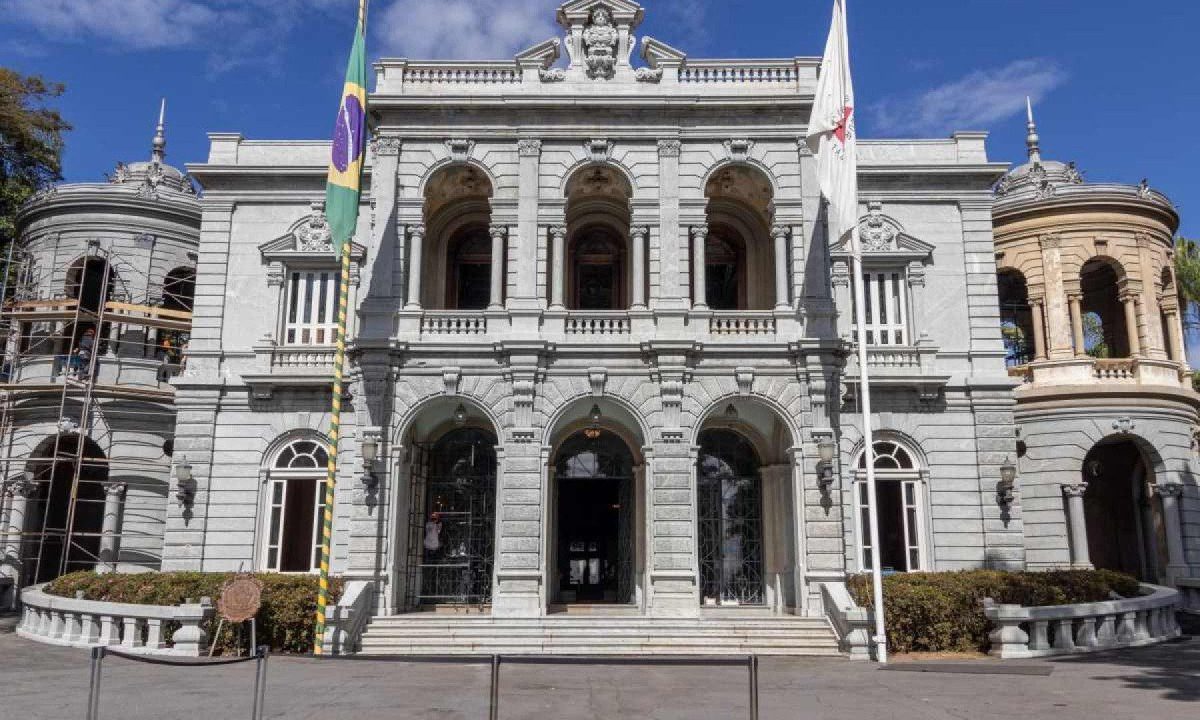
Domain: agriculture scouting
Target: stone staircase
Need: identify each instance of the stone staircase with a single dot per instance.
(434, 634)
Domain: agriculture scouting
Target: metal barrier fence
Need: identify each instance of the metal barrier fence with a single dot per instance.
(749, 661)
(97, 668)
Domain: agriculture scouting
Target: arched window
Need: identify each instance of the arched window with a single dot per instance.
(1104, 331)
(179, 290)
(296, 505)
(725, 268)
(1016, 318)
(469, 270)
(901, 509)
(453, 519)
(729, 510)
(598, 269)
(59, 542)
(92, 282)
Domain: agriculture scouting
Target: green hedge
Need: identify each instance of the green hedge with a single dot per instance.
(285, 620)
(941, 612)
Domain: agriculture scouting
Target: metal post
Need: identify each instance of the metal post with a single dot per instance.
(752, 662)
(494, 704)
(93, 709)
(260, 682)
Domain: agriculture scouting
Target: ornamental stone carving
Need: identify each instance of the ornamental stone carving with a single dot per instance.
(598, 149)
(738, 149)
(314, 235)
(1075, 490)
(460, 149)
(386, 145)
(876, 232)
(600, 45)
(115, 489)
(1168, 490)
(669, 148)
(529, 147)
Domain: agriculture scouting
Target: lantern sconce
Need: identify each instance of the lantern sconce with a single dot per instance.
(185, 482)
(825, 452)
(1006, 488)
(369, 441)
(592, 431)
(460, 415)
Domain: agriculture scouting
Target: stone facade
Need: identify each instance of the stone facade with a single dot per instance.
(1090, 305)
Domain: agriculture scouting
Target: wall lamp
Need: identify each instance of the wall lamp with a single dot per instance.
(825, 451)
(1005, 489)
(369, 441)
(185, 482)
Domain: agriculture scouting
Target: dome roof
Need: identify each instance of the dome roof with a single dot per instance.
(155, 175)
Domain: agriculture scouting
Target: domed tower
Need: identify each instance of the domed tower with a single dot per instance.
(1105, 410)
(97, 316)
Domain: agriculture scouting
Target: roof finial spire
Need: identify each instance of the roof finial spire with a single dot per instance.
(1032, 141)
(158, 152)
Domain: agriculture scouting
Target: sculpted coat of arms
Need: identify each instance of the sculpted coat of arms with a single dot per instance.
(600, 45)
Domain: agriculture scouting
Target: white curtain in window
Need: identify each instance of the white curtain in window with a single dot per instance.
(311, 315)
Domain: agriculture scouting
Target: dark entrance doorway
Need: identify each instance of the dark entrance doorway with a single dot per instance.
(595, 518)
(61, 541)
(1124, 519)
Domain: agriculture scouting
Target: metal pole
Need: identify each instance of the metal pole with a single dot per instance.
(494, 704)
(860, 313)
(93, 709)
(260, 683)
(752, 662)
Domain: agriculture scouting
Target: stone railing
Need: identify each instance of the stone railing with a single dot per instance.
(598, 324)
(346, 621)
(893, 357)
(296, 356)
(1024, 632)
(742, 323)
(133, 628)
(453, 323)
(1189, 594)
(851, 622)
(1119, 370)
(459, 73)
(738, 71)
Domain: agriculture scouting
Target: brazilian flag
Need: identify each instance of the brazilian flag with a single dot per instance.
(349, 143)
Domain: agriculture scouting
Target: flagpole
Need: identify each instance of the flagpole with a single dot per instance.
(860, 313)
(335, 421)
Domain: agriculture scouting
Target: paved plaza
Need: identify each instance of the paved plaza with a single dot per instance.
(39, 682)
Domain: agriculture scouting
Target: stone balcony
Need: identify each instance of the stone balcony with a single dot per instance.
(631, 327)
(1090, 371)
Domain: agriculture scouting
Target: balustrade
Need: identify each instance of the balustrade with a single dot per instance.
(596, 324)
(453, 324)
(742, 323)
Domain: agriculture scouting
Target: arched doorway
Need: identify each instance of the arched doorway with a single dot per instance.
(729, 507)
(1123, 518)
(452, 519)
(296, 506)
(594, 534)
(59, 540)
(902, 524)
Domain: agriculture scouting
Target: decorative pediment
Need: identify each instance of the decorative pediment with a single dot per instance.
(580, 11)
(308, 238)
(658, 54)
(882, 235)
(542, 55)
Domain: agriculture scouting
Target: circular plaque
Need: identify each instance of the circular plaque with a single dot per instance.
(241, 596)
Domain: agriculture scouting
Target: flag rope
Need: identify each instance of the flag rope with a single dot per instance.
(335, 419)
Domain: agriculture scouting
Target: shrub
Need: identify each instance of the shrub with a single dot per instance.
(285, 620)
(941, 612)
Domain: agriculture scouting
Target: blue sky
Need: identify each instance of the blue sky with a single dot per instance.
(1116, 90)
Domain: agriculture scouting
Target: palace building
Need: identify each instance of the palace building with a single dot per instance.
(601, 360)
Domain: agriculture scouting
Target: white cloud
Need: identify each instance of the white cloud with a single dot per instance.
(467, 29)
(973, 102)
(129, 23)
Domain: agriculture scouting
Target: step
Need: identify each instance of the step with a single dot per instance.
(830, 650)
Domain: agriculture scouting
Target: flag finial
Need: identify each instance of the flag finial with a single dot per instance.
(1032, 141)
(158, 150)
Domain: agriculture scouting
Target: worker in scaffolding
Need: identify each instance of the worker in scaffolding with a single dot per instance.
(81, 361)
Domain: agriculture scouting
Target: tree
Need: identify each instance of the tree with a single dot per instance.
(31, 142)
(1187, 275)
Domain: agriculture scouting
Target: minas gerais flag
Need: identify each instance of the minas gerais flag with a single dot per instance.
(832, 138)
(342, 193)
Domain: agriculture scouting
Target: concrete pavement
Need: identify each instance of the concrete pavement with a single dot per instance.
(1163, 682)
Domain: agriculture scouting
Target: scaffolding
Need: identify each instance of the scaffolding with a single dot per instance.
(82, 354)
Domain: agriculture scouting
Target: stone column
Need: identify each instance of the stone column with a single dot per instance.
(1077, 325)
(1058, 324)
(637, 279)
(499, 233)
(416, 241)
(671, 289)
(1077, 525)
(780, 234)
(1174, 337)
(524, 245)
(114, 494)
(1129, 301)
(20, 493)
(558, 259)
(1036, 307)
(699, 287)
(1169, 494)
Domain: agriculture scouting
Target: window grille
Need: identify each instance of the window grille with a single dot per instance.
(886, 294)
(311, 316)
